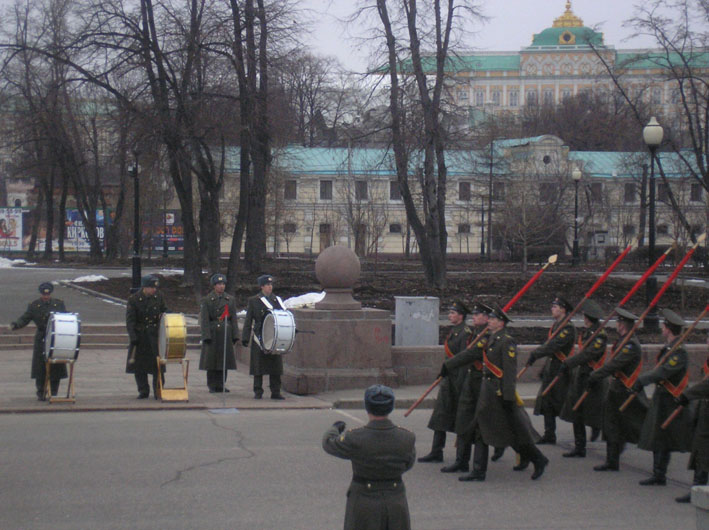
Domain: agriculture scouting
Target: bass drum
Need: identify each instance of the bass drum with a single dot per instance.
(278, 332)
(172, 336)
(63, 336)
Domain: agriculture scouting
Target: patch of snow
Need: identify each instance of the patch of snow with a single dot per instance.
(6, 263)
(304, 300)
(89, 278)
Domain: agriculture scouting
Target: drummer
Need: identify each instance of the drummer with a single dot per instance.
(143, 313)
(217, 320)
(38, 312)
(262, 363)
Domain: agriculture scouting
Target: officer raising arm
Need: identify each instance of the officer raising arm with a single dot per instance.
(38, 312)
(380, 453)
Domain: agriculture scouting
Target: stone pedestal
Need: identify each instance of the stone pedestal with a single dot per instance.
(700, 500)
(349, 349)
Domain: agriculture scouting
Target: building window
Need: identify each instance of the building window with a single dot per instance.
(496, 97)
(361, 190)
(661, 191)
(548, 97)
(498, 191)
(464, 228)
(463, 94)
(289, 228)
(695, 194)
(464, 191)
(565, 94)
(325, 190)
(479, 98)
(547, 192)
(628, 230)
(629, 192)
(395, 228)
(514, 98)
(596, 191)
(663, 230)
(531, 97)
(657, 96)
(674, 96)
(290, 190)
(394, 191)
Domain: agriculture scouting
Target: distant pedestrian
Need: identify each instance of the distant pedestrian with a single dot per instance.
(380, 453)
(38, 312)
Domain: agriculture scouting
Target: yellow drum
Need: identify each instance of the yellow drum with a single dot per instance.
(172, 340)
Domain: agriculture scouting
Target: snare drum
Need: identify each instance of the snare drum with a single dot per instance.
(172, 337)
(278, 332)
(63, 336)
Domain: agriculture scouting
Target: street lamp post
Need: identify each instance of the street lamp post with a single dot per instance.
(652, 135)
(165, 188)
(136, 226)
(576, 176)
(482, 226)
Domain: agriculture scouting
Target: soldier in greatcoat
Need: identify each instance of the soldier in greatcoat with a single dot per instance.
(555, 351)
(699, 459)
(670, 376)
(500, 415)
(444, 411)
(578, 367)
(38, 312)
(262, 363)
(217, 320)
(619, 427)
(143, 313)
(380, 453)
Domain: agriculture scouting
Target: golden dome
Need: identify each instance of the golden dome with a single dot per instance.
(568, 19)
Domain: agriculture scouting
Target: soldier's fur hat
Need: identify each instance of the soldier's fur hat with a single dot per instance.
(217, 278)
(264, 279)
(46, 288)
(149, 281)
(379, 400)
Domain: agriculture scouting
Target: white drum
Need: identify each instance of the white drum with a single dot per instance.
(172, 336)
(278, 332)
(63, 336)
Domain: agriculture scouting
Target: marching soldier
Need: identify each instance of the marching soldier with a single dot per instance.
(620, 427)
(143, 313)
(556, 351)
(444, 412)
(671, 376)
(380, 453)
(578, 367)
(38, 312)
(217, 319)
(699, 459)
(500, 415)
(261, 362)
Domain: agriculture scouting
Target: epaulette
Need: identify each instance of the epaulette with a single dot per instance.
(404, 429)
(468, 329)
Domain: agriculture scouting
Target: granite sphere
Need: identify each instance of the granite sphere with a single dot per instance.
(337, 267)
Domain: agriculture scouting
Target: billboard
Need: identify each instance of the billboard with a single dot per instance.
(167, 223)
(75, 236)
(10, 229)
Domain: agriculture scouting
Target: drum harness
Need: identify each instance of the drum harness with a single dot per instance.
(265, 301)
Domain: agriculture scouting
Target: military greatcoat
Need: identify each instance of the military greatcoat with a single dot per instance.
(700, 440)
(500, 418)
(212, 326)
(472, 359)
(261, 363)
(580, 367)
(380, 453)
(555, 351)
(143, 314)
(444, 411)
(38, 312)
(678, 435)
(621, 427)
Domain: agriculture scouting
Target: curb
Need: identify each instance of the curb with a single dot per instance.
(91, 292)
(405, 403)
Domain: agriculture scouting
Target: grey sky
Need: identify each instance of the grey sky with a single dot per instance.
(510, 26)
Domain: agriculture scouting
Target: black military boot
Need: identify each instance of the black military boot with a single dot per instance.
(479, 463)
(531, 453)
(497, 454)
(612, 462)
(462, 458)
(660, 461)
(436, 454)
(549, 437)
(700, 479)
(579, 449)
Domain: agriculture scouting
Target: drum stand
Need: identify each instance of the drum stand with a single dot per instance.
(173, 393)
(70, 394)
